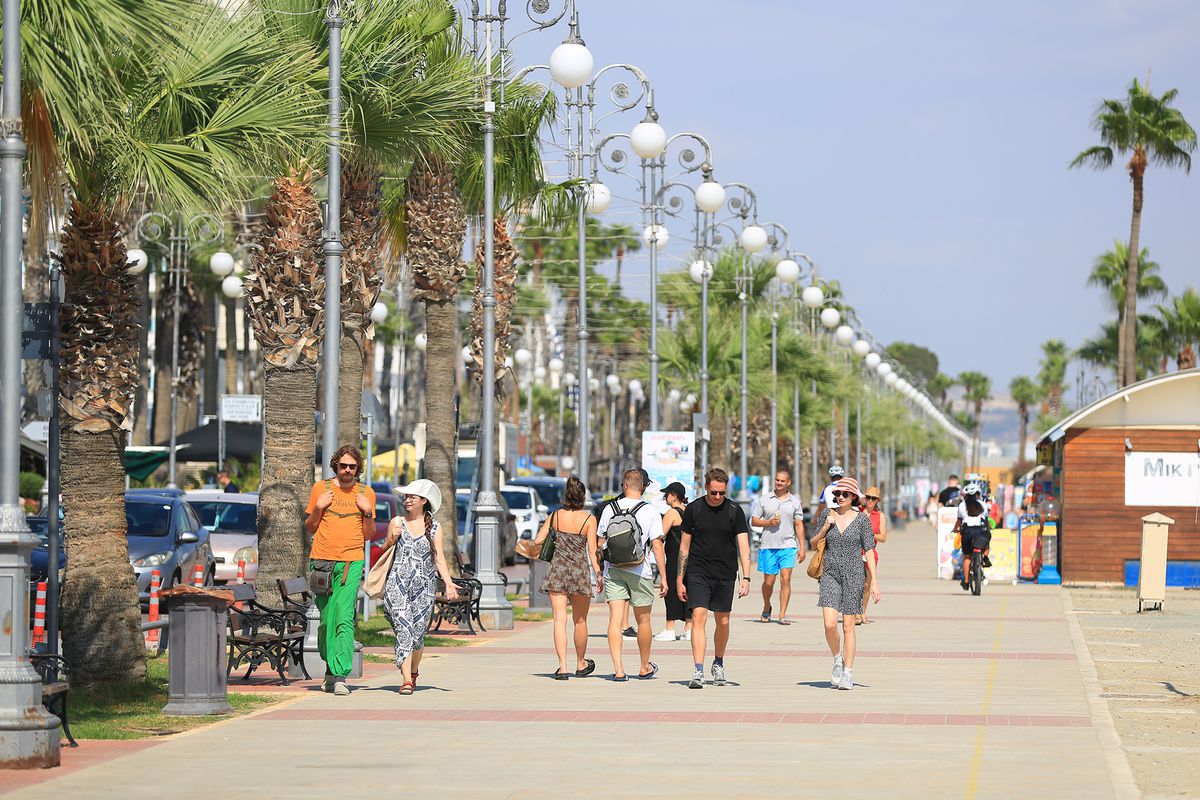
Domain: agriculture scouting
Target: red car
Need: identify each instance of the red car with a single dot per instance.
(386, 507)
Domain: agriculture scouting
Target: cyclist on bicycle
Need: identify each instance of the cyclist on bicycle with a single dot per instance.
(972, 524)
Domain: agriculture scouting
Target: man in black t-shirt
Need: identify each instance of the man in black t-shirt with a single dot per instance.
(715, 537)
(951, 491)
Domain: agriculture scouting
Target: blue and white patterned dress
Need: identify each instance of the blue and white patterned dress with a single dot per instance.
(408, 596)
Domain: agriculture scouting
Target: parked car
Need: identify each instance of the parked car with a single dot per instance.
(387, 506)
(527, 507)
(466, 533)
(232, 522)
(549, 488)
(164, 533)
(40, 557)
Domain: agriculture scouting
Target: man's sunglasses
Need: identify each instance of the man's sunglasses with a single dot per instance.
(717, 494)
(838, 495)
(344, 465)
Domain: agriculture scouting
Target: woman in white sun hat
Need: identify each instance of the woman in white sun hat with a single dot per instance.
(847, 534)
(412, 581)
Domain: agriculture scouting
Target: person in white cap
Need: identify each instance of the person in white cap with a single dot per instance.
(412, 581)
(836, 473)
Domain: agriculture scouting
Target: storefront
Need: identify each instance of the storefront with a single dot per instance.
(1128, 455)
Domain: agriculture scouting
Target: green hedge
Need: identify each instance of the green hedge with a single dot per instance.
(31, 485)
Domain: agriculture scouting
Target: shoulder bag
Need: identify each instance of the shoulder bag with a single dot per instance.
(547, 551)
(376, 582)
(818, 558)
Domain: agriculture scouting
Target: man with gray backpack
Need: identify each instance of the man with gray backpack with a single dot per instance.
(631, 532)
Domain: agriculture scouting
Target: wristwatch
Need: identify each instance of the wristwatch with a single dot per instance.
(745, 577)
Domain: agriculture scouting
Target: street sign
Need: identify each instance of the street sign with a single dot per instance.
(35, 330)
(38, 430)
(241, 408)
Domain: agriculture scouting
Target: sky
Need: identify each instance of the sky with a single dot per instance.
(918, 151)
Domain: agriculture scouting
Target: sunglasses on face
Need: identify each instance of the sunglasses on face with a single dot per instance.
(344, 465)
(840, 495)
(714, 493)
(871, 497)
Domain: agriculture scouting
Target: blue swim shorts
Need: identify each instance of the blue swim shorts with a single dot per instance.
(771, 561)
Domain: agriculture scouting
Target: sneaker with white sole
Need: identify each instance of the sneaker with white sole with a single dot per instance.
(327, 684)
(687, 636)
(718, 673)
(838, 669)
(666, 636)
(697, 681)
(847, 681)
(340, 688)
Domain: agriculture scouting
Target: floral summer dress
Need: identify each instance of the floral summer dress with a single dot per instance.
(408, 596)
(569, 571)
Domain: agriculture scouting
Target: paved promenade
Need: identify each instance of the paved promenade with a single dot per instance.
(957, 696)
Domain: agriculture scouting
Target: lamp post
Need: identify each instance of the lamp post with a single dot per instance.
(29, 734)
(176, 234)
(332, 248)
(787, 272)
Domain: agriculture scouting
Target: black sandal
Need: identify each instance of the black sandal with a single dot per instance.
(559, 675)
(766, 615)
(588, 670)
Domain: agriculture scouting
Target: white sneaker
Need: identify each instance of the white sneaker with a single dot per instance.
(838, 669)
(697, 681)
(341, 689)
(687, 636)
(666, 636)
(718, 673)
(847, 681)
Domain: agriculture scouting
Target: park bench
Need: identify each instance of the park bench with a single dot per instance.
(55, 673)
(260, 634)
(461, 612)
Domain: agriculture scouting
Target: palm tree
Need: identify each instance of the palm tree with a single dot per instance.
(1051, 374)
(1149, 129)
(1109, 272)
(978, 390)
(939, 386)
(1181, 321)
(1024, 393)
(1152, 349)
(162, 120)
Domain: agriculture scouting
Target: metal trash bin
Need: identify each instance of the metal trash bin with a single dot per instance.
(197, 659)
(1152, 572)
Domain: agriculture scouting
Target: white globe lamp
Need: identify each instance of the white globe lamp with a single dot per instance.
(612, 382)
(844, 335)
(232, 287)
(872, 360)
(648, 139)
(635, 386)
(658, 234)
(673, 396)
(379, 313)
(812, 296)
(137, 261)
(556, 364)
(861, 347)
(710, 196)
(830, 317)
(571, 65)
(466, 355)
(567, 463)
(700, 271)
(787, 271)
(539, 373)
(419, 341)
(569, 379)
(522, 356)
(884, 369)
(221, 263)
(753, 238)
(890, 379)
(598, 198)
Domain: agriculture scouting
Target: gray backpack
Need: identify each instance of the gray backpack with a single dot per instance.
(626, 545)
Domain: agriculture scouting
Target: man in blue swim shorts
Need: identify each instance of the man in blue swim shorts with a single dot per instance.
(781, 516)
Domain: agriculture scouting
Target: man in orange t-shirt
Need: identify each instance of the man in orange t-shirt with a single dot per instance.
(340, 516)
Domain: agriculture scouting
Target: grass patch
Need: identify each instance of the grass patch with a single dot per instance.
(523, 614)
(375, 632)
(371, 658)
(443, 641)
(133, 709)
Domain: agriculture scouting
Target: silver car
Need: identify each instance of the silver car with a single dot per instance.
(232, 522)
(526, 507)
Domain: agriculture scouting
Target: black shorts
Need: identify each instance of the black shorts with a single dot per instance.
(973, 538)
(715, 594)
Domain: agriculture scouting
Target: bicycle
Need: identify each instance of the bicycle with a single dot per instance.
(975, 579)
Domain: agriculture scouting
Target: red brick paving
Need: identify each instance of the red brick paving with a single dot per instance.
(89, 753)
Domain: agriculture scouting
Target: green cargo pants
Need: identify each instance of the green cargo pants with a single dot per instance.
(335, 636)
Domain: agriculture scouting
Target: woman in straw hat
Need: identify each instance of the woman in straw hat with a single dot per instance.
(847, 535)
(412, 581)
(872, 508)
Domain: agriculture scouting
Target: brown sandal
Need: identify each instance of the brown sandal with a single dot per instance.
(407, 687)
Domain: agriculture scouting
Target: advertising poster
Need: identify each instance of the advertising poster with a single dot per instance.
(669, 456)
(1004, 556)
(1162, 479)
(945, 542)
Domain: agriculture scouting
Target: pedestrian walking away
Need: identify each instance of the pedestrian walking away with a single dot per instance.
(568, 579)
(340, 517)
(879, 526)
(677, 610)
(847, 535)
(226, 483)
(781, 516)
(412, 581)
(631, 535)
(715, 539)
(836, 473)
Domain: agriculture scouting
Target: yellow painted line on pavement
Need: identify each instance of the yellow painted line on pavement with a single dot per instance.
(977, 754)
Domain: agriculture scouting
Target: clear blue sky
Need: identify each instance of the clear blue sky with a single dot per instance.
(918, 151)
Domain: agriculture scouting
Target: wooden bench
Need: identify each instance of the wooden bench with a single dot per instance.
(55, 673)
(260, 634)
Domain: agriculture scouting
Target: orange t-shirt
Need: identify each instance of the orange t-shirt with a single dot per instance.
(339, 535)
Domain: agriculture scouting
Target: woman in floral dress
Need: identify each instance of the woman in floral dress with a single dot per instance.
(412, 581)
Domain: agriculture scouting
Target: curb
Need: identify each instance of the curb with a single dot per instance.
(1124, 786)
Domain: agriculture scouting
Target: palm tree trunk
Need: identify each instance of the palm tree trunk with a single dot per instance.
(101, 623)
(350, 386)
(1024, 415)
(141, 420)
(161, 424)
(212, 386)
(1186, 358)
(1127, 351)
(440, 432)
(290, 402)
(231, 347)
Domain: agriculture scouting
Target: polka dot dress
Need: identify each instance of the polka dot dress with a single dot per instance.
(843, 573)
